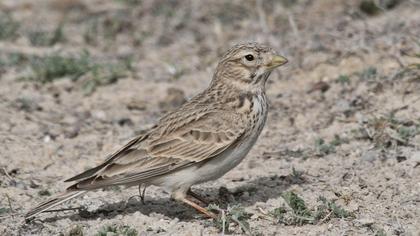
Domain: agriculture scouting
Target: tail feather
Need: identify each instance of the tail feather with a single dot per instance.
(52, 203)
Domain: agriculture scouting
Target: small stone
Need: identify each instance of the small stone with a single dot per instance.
(245, 195)
(320, 86)
(415, 158)
(46, 139)
(366, 221)
(136, 105)
(125, 122)
(99, 114)
(370, 155)
(401, 158)
(34, 184)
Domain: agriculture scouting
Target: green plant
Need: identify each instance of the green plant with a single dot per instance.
(386, 131)
(343, 79)
(122, 230)
(51, 67)
(380, 232)
(369, 73)
(328, 209)
(77, 230)
(44, 192)
(44, 38)
(300, 214)
(8, 27)
(233, 214)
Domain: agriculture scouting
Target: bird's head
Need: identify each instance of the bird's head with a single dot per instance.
(247, 65)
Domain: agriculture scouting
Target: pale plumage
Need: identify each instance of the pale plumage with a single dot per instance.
(201, 141)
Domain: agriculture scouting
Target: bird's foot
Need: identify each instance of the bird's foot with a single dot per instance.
(198, 197)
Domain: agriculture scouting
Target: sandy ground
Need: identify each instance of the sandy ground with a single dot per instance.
(352, 77)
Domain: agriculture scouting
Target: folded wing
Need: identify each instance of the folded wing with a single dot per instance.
(165, 149)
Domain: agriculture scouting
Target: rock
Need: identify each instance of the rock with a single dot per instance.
(137, 105)
(366, 221)
(27, 104)
(401, 158)
(320, 86)
(125, 121)
(415, 158)
(72, 131)
(370, 155)
(99, 114)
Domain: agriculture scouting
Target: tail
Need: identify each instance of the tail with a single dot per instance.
(52, 203)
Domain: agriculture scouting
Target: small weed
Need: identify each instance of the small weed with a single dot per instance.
(407, 132)
(44, 38)
(52, 67)
(106, 27)
(328, 209)
(343, 79)
(26, 104)
(8, 27)
(4, 210)
(44, 192)
(380, 232)
(17, 59)
(297, 176)
(387, 131)
(122, 230)
(322, 148)
(77, 230)
(369, 73)
(91, 32)
(130, 2)
(105, 74)
(233, 214)
(288, 3)
(49, 68)
(300, 214)
(369, 7)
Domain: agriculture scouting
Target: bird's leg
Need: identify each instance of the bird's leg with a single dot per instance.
(197, 196)
(199, 208)
(142, 193)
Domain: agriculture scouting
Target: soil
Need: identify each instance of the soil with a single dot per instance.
(344, 120)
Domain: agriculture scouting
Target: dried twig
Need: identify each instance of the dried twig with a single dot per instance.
(293, 25)
(6, 174)
(325, 218)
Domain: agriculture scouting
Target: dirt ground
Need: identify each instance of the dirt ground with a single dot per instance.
(78, 79)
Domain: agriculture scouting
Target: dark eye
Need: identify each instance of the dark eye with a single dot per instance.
(249, 57)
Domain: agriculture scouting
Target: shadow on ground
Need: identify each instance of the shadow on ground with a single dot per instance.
(258, 190)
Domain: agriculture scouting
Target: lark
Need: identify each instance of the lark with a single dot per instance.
(201, 141)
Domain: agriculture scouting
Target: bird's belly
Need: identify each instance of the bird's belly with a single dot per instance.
(220, 165)
(210, 170)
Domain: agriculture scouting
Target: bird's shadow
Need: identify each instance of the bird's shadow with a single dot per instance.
(260, 189)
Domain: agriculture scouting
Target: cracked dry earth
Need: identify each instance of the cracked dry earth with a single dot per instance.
(344, 113)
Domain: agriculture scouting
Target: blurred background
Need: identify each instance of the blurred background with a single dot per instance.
(80, 78)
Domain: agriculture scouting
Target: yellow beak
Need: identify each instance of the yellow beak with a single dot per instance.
(277, 61)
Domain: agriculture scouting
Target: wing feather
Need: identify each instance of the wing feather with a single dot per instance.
(160, 151)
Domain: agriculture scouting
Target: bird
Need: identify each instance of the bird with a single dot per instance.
(199, 142)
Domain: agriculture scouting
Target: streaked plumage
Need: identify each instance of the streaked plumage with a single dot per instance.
(201, 141)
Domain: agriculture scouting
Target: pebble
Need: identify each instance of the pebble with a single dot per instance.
(415, 158)
(99, 114)
(366, 221)
(370, 155)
